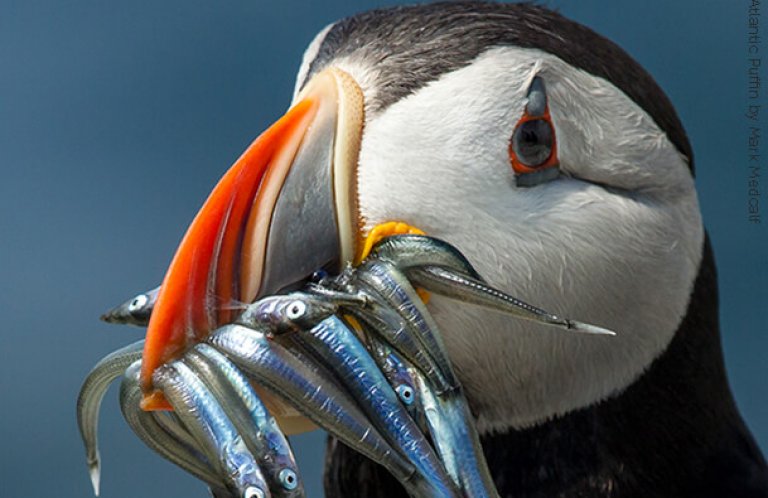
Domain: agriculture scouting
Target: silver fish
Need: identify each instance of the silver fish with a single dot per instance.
(136, 311)
(202, 415)
(347, 356)
(312, 391)
(89, 400)
(250, 417)
(183, 451)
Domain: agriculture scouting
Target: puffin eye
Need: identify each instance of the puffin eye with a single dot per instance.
(138, 302)
(533, 141)
(533, 148)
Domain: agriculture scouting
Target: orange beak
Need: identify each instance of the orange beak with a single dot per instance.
(286, 208)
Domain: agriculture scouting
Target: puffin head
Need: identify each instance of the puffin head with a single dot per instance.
(541, 150)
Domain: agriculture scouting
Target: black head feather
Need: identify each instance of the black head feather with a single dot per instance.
(411, 46)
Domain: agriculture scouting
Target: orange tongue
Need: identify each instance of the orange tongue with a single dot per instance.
(202, 280)
(382, 231)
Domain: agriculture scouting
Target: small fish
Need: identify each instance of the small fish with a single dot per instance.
(250, 417)
(311, 390)
(89, 400)
(136, 311)
(287, 313)
(439, 267)
(347, 357)
(409, 251)
(386, 323)
(164, 433)
(402, 376)
(218, 438)
(385, 280)
(453, 285)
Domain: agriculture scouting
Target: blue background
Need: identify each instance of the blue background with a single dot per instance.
(116, 119)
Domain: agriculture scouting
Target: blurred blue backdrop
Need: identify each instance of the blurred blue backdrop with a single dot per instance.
(116, 119)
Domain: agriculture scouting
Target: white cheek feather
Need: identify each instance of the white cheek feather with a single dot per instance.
(624, 258)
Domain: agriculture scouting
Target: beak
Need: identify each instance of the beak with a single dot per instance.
(285, 209)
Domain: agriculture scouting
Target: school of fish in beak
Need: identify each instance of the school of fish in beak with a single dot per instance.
(356, 354)
(235, 357)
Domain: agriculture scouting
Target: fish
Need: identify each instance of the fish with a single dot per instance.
(220, 441)
(136, 311)
(89, 401)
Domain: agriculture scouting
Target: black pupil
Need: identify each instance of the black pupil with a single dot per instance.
(532, 142)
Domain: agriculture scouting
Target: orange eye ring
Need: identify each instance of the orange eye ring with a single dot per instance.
(533, 146)
(551, 161)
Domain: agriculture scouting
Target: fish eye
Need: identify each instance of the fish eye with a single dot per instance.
(405, 392)
(137, 303)
(318, 276)
(253, 492)
(295, 310)
(288, 479)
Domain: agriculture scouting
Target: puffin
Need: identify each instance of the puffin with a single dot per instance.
(554, 162)
(605, 227)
